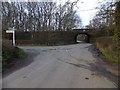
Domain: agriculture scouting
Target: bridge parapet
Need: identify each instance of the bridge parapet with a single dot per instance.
(83, 30)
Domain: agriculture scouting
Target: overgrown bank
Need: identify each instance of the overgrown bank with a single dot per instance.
(10, 53)
(109, 51)
(106, 38)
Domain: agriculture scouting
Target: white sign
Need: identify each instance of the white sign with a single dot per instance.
(12, 30)
(9, 31)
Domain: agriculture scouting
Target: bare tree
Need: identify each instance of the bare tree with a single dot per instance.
(43, 16)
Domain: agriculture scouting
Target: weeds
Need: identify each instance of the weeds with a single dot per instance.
(21, 53)
(9, 53)
(109, 52)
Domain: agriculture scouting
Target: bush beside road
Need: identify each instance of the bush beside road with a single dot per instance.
(9, 53)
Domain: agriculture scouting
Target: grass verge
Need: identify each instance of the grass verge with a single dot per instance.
(10, 54)
(108, 50)
(21, 53)
(110, 57)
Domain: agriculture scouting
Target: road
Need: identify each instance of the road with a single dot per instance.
(69, 66)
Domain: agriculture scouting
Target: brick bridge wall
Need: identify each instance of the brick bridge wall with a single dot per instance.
(47, 37)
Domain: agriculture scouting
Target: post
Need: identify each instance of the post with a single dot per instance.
(12, 30)
(13, 36)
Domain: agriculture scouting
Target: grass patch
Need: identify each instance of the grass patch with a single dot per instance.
(21, 53)
(10, 54)
(110, 58)
(109, 51)
(9, 60)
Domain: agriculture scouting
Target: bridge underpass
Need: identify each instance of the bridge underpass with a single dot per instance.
(82, 35)
(82, 38)
(53, 37)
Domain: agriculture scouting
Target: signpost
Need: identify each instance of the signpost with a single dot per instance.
(12, 30)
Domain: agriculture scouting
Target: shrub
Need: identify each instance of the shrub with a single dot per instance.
(10, 52)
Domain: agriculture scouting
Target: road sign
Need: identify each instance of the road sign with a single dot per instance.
(12, 30)
(9, 31)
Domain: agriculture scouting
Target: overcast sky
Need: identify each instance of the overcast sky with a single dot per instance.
(88, 8)
(85, 8)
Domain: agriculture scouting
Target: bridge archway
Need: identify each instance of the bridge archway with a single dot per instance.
(82, 37)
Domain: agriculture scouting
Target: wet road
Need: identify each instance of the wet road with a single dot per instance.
(69, 66)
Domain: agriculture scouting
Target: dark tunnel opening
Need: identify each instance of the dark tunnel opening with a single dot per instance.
(82, 38)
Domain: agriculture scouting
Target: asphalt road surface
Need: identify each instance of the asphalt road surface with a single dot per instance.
(69, 66)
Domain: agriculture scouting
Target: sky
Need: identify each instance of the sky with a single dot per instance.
(86, 9)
